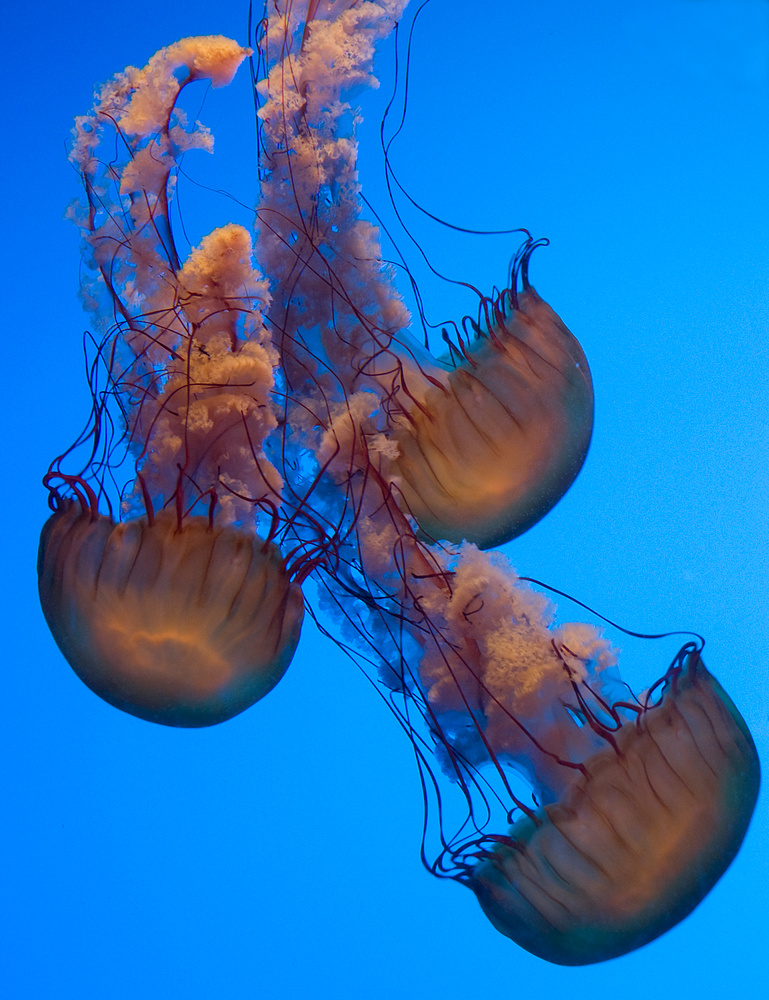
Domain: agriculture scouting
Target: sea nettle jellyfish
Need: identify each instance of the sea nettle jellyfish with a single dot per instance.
(303, 402)
(177, 612)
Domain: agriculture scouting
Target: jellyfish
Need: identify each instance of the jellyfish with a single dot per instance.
(479, 448)
(290, 441)
(639, 838)
(170, 607)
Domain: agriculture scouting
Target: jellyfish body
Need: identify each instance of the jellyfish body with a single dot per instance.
(487, 456)
(178, 612)
(638, 840)
(182, 626)
(480, 452)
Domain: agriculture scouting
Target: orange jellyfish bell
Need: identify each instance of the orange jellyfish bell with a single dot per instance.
(638, 840)
(487, 453)
(183, 626)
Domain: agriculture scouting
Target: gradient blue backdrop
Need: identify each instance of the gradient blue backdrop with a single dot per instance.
(276, 856)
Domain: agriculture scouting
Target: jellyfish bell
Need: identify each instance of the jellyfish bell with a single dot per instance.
(492, 447)
(640, 836)
(182, 625)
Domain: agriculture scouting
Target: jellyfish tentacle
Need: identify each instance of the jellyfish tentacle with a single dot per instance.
(191, 358)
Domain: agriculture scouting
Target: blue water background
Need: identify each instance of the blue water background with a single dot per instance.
(277, 856)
